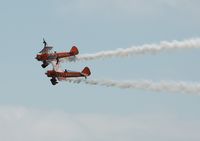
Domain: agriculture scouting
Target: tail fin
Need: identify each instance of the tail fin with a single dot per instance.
(74, 50)
(86, 71)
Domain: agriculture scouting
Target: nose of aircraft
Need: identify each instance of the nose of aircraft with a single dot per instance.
(37, 57)
(46, 73)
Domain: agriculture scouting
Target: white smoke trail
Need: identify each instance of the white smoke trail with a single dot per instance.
(138, 50)
(56, 66)
(163, 86)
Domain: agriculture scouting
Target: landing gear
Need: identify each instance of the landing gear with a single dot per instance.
(45, 64)
(53, 81)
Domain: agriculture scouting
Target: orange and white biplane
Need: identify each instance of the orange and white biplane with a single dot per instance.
(47, 56)
(63, 75)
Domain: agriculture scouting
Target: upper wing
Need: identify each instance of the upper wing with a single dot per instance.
(46, 49)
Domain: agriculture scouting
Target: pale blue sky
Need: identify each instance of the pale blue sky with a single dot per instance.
(93, 26)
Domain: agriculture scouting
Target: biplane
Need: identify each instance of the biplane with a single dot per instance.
(63, 75)
(46, 55)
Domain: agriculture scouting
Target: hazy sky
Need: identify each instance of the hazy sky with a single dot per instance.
(32, 109)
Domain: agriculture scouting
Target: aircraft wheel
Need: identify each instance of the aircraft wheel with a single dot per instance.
(53, 81)
(44, 65)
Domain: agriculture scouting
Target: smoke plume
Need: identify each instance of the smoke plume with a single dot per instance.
(139, 50)
(163, 86)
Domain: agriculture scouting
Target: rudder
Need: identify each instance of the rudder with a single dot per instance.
(86, 71)
(74, 50)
